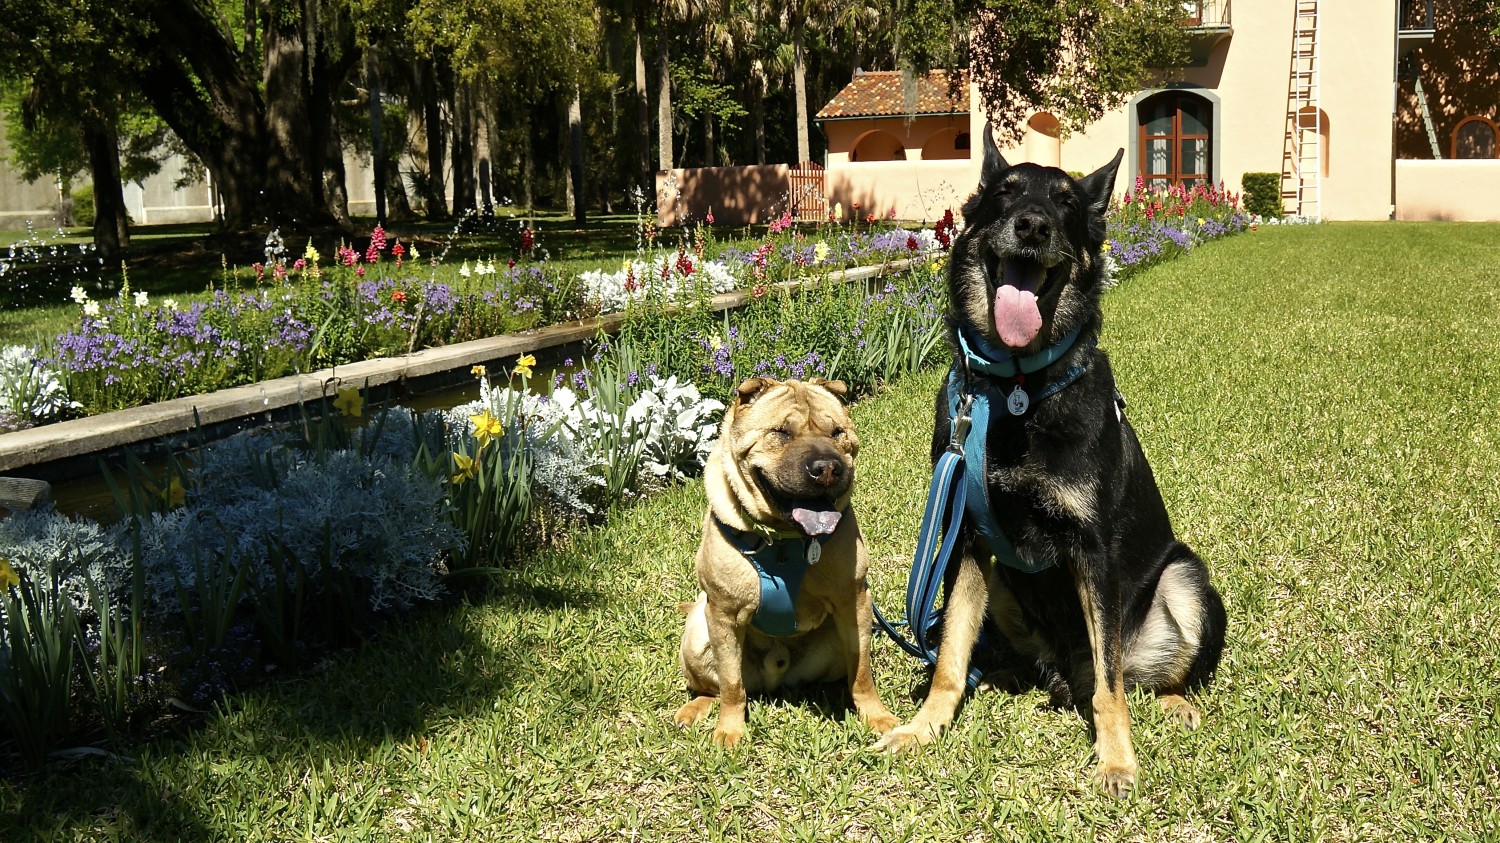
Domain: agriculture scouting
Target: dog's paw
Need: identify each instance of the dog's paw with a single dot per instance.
(882, 723)
(1116, 781)
(728, 738)
(692, 711)
(908, 738)
(1184, 712)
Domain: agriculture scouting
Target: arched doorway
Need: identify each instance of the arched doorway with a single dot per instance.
(877, 145)
(1174, 140)
(946, 144)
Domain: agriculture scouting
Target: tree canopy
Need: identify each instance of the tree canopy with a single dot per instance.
(268, 94)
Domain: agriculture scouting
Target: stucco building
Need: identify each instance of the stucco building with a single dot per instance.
(1323, 92)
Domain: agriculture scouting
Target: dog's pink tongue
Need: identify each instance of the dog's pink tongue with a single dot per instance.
(1017, 318)
(816, 522)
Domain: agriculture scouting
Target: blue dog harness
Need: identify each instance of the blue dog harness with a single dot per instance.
(959, 486)
(781, 564)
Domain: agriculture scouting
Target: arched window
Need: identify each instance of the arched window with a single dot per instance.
(1474, 137)
(1175, 139)
(1042, 142)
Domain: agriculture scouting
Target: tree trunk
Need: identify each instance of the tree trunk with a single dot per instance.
(663, 99)
(575, 155)
(432, 119)
(377, 142)
(111, 236)
(463, 151)
(643, 114)
(799, 84)
(708, 140)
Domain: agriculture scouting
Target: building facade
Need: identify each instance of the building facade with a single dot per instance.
(1323, 92)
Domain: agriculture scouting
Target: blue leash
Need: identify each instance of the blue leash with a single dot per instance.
(941, 518)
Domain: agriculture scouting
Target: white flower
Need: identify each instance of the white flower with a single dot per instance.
(464, 270)
(140, 298)
(79, 295)
(169, 304)
(90, 308)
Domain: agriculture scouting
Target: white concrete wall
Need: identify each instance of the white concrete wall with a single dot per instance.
(1448, 190)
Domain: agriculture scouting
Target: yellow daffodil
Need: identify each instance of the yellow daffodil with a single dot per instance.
(1201, 221)
(525, 365)
(174, 495)
(8, 576)
(465, 466)
(1108, 246)
(479, 371)
(349, 402)
(486, 427)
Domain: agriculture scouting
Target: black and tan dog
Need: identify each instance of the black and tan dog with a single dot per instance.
(1086, 577)
(782, 562)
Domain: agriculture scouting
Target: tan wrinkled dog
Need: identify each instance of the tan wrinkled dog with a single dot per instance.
(781, 471)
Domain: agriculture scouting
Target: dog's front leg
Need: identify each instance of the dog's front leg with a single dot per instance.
(855, 623)
(1104, 617)
(963, 613)
(726, 634)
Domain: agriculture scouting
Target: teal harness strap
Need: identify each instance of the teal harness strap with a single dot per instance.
(959, 487)
(781, 565)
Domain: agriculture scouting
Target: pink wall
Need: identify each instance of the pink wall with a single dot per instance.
(1448, 190)
(916, 190)
(737, 195)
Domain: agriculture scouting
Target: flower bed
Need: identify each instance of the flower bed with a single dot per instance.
(300, 315)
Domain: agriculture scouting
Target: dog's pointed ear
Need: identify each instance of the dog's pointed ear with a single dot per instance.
(839, 389)
(749, 388)
(1100, 184)
(994, 162)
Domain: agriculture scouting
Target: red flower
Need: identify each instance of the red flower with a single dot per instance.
(911, 243)
(398, 250)
(377, 240)
(869, 218)
(528, 239)
(398, 296)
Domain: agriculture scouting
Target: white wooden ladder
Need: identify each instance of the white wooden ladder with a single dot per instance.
(1301, 166)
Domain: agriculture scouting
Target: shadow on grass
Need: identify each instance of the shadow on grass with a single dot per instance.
(370, 705)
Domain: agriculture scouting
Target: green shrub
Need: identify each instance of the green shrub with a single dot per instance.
(83, 206)
(1262, 193)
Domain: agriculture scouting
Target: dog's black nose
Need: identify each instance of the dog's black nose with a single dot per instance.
(825, 472)
(1033, 229)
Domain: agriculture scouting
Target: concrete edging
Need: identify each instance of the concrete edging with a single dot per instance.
(79, 437)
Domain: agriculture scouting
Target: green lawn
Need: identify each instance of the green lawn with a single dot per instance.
(1319, 405)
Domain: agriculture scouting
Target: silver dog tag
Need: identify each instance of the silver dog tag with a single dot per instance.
(814, 551)
(1017, 401)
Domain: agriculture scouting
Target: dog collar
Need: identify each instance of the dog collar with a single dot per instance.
(781, 563)
(981, 356)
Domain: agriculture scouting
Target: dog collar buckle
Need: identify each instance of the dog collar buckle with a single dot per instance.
(961, 424)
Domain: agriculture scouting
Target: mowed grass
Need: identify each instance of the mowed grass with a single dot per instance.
(1319, 405)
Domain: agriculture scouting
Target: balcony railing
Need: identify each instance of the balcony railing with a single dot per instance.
(1208, 14)
(1414, 16)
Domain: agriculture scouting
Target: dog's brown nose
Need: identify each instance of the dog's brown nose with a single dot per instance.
(825, 472)
(1033, 229)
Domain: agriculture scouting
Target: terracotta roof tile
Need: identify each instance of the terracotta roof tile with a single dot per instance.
(878, 93)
